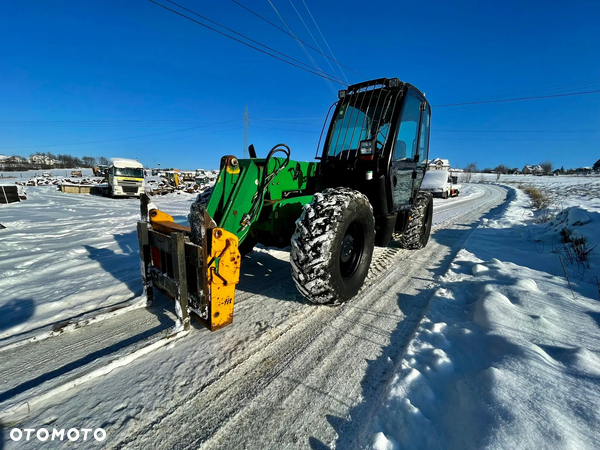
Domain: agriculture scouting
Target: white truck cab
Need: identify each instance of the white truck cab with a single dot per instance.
(125, 178)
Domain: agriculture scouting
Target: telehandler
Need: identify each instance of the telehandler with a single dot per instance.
(363, 188)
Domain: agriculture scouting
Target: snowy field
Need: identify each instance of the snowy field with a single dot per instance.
(477, 341)
(63, 255)
(563, 191)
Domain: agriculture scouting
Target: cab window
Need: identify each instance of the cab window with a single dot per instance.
(406, 142)
(424, 137)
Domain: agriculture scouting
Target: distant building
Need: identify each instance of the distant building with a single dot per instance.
(533, 170)
(584, 171)
(41, 160)
(13, 162)
(439, 164)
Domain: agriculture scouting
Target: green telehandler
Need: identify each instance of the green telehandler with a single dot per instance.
(363, 188)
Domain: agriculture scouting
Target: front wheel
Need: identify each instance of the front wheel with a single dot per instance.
(418, 230)
(333, 245)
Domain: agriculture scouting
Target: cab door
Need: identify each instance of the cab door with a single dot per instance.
(423, 148)
(405, 159)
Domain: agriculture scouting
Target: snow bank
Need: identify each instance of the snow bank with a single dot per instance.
(508, 356)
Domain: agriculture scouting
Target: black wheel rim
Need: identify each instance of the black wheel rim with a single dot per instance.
(351, 249)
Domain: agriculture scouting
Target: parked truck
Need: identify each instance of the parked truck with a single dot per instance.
(440, 183)
(125, 178)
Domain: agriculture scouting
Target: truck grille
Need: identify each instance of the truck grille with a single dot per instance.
(130, 189)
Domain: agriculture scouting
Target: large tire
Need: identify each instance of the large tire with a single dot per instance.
(418, 229)
(247, 246)
(204, 196)
(196, 226)
(333, 246)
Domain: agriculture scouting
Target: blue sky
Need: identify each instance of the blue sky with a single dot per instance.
(130, 79)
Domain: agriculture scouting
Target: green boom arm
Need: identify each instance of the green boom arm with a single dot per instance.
(262, 196)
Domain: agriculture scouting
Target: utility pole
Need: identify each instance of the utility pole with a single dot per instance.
(246, 125)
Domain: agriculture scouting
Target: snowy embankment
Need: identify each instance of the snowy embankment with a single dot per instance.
(63, 255)
(508, 354)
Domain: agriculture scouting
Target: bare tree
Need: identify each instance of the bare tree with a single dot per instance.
(89, 161)
(471, 167)
(500, 170)
(546, 167)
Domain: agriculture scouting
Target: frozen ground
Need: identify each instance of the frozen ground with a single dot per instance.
(467, 343)
(63, 255)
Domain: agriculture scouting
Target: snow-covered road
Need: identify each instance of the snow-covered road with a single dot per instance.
(286, 374)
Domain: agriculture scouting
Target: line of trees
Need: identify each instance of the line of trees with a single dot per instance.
(48, 160)
(501, 169)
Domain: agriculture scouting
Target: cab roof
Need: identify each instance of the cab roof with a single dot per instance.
(124, 163)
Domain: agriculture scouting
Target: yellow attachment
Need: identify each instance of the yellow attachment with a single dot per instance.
(159, 216)
(163, 223)
(223, 273)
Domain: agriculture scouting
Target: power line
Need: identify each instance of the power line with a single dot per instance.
(322, 75)
(96, 124)
(138, 123)
(519, 131)
(517, 99)
(326, 43)
(308, 55)
(308, 45)
(509, 139)
(311, 35)
(122, 139)
(559, 89)
(133, 144)
(251, 40)
(287, 129)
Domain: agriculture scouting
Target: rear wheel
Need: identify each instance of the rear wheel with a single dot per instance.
(419, 226)
(333, 246)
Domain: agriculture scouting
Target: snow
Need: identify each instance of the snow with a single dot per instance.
(497, 348)
(65, 255)
(508, 355)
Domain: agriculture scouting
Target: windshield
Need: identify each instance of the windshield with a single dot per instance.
(361, 117)
(129, 172)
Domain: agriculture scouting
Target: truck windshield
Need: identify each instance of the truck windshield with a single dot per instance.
(129, 172)
(361, 117)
